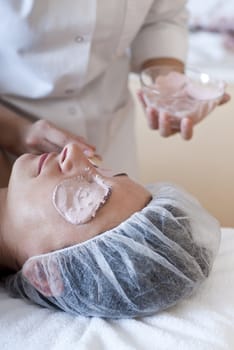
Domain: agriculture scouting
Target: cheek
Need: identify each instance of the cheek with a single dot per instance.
(29, 206)
(39, 227)
(35, 226)
(77, 200)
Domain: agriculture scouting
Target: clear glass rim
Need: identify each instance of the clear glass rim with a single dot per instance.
(188, 68)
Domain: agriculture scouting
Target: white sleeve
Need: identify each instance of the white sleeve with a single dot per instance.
(163, 33)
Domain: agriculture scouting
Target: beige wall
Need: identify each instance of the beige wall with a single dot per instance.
(204, 166)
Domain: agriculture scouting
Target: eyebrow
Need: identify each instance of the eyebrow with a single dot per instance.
(120, 174)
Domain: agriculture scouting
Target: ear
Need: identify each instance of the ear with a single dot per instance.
(45, 277)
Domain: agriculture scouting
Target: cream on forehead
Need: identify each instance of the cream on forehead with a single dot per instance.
(78, 199)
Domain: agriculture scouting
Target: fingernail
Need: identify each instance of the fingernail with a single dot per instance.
(96, 160)
(98, 157)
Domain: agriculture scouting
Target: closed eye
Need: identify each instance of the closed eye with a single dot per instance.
(121, 174)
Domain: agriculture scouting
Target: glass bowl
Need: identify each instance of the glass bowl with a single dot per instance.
(180, 95)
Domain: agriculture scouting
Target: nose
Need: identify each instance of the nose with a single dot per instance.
(71, 157)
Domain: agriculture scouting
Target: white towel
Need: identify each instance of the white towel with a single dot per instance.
(202, 322)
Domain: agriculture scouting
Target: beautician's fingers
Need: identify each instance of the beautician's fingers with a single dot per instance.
(141, 98)
(59, 137)
(43, 136)
(165, 125)
(169, 125)
(151, 113)
(186, 128)
(152, 118)
(225, 99)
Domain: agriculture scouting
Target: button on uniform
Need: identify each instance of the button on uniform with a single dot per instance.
(69, 91)
(79, 39)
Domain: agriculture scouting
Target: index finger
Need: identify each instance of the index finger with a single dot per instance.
(140, 94)
(61, 137)
(225, 99)
(186, 128)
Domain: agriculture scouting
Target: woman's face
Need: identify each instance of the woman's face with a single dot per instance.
(35, 226)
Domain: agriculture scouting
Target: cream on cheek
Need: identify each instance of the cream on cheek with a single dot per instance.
(78, 199)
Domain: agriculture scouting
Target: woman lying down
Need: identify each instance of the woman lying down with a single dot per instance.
(95, 244)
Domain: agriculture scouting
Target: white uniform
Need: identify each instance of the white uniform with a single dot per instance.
(68, 61)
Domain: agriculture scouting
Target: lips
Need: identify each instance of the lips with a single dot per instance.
(41, 161)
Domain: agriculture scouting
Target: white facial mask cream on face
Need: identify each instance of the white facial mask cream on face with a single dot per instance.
(78, 199)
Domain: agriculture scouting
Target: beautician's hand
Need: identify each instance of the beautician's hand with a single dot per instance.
(20, 135)
(43, 136)
(169, 125)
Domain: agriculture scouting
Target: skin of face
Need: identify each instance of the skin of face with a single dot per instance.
(32, 225)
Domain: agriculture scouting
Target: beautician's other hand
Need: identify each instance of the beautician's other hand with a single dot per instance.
(43, 136)
(169, 125)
